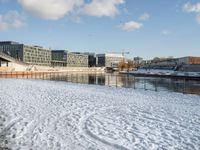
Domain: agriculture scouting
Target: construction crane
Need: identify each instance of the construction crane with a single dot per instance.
(123, 54)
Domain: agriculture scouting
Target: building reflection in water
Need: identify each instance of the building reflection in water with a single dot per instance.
(129, 81)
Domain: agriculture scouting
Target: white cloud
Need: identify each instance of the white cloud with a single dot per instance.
(50, 9)
(144, 17)
(188, 7)
(10, 20)
(101, 8)
(56, 9)
(193, 8)
(130, 26)
(166, 32)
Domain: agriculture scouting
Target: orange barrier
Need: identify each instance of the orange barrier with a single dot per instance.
(3, 69)
(25, 74)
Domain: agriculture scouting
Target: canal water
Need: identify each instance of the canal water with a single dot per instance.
(116, 80)
(130, 81)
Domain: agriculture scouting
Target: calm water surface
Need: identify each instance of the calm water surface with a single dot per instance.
(129, 81)
(118, 80)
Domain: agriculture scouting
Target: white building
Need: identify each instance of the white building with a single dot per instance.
(109, 59)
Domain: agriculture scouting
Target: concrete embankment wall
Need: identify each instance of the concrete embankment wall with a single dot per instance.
(12, 66)
(190, 68)
(72, 69)
(24, 67)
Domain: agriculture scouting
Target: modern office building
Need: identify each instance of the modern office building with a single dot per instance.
(91, 59)
(100, 60)
(33, 55)
(109, 60)
(113, 60)
(77, 59)
(59, 58)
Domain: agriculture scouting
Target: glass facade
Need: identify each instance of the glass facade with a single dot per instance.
(59, 58)
(77, 60)
(37, 55)
(33, 55)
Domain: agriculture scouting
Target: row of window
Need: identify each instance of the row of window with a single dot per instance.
(36, 61)
(37, 56)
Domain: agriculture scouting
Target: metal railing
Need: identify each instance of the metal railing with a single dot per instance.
(116, 80)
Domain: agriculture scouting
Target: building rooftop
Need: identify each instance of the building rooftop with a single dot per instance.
(114, 55)
(60, 50)
(8, 42)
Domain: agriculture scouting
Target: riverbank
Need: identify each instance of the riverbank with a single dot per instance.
(35, 68)
(164, 74)
(47, 71)
(58, 115)
(48, 75)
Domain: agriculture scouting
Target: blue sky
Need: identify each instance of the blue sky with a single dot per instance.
(145, 28)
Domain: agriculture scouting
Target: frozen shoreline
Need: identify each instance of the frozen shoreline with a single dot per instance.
(158, 72)
(60, 115)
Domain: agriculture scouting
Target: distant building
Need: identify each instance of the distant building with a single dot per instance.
(112, 59)
(189, 60)
(77, 60)
(100, 60)
(59, 58)
(91, 59)
(109, 59)
(177, 64)
(138, 60)
(34, 55)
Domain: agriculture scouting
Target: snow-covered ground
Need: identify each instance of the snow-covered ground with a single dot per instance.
(47, 115)
(165, 72)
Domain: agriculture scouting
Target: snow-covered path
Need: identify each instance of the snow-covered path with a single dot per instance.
(57, 115)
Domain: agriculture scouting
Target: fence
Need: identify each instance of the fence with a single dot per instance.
(117, 80)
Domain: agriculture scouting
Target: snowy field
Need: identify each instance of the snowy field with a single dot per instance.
(49, 115)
